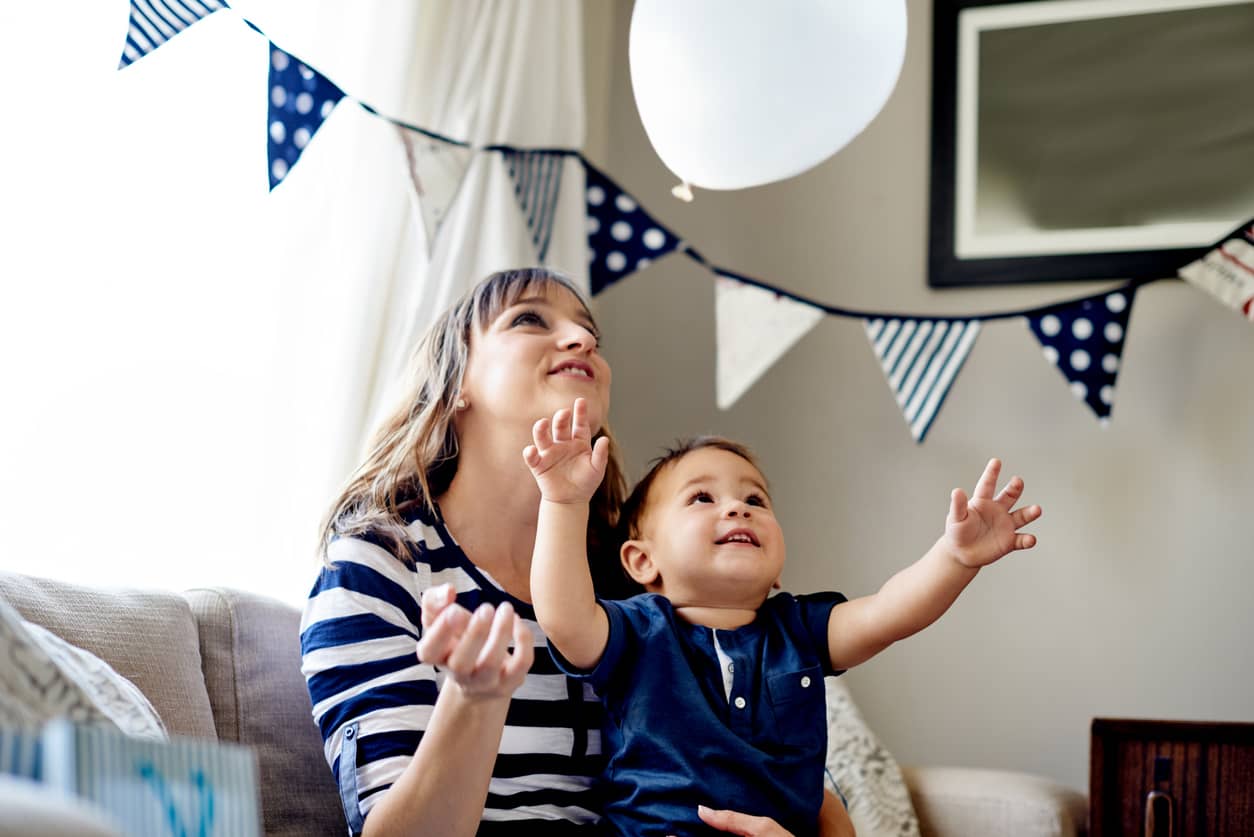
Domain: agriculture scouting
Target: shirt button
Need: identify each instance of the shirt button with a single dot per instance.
(805, 682)
(740, 703)
(731, 668)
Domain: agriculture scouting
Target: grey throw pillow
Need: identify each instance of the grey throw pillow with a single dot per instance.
(864, 772)
(43, 677)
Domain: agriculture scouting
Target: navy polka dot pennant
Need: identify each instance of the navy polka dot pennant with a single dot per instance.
(921, 359)
(153, 22)
(436, 169)
(537, 177)
(301, 99)
(1084, 340)
(1227, 272)
(622, 237)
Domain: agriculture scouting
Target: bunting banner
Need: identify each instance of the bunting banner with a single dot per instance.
(537, 177)
(754, 328)
(622, 237)
(1084, 340)
(921, 359)
(153, 22)
(1227, 272)
(301, 99)
(436, 170)
(756, 321)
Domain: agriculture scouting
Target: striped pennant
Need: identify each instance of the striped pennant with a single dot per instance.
(301, 99)
(1084, 341)
(537, 177)
(153, 22)
(436, 169)
(755, 327)
(622, 237)
(921, 359)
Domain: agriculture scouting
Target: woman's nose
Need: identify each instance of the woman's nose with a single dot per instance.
(577, 338)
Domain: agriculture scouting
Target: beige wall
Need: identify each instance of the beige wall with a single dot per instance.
(1137, 600)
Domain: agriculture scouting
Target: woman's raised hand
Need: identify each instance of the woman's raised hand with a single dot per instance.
(567, 466)
(474, 648)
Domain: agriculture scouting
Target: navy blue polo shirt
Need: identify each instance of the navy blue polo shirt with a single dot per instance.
(675, 738)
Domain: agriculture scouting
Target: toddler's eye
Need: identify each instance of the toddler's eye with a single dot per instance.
(756, 500)
(700, 497)
(528, 318)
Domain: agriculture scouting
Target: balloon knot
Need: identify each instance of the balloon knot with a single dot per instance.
(683, 191)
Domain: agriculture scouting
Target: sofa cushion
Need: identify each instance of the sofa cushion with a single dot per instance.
(147, 637)
(862, 769)
(250, 645)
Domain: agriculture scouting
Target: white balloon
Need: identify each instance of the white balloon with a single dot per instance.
(737, 93)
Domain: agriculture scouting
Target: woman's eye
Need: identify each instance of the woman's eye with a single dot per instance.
(528, 318)
(701, 497)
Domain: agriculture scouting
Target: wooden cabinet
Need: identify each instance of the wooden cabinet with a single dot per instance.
(1171, 779)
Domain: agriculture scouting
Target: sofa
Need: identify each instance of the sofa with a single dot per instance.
(225, 664)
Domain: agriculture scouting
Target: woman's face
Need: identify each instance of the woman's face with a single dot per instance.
(535, 357)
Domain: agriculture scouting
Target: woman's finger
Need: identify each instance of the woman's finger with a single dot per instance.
(433, 601)
(742, 824)
(461, 661)
(439, 640)
(519, 663)
(492, 656)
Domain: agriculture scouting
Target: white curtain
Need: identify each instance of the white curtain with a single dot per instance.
(191, 363)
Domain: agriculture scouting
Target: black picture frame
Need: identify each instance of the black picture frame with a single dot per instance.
(947, 267)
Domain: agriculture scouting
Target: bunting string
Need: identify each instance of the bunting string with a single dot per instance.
(921, 355)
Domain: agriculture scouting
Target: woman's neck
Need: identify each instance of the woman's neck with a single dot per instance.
(490, 508)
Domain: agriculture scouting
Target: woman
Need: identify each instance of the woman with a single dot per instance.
(431, 542)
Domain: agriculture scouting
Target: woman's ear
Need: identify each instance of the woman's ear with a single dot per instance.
(637, 563)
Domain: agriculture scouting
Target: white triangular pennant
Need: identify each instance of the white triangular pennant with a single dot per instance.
(921, 359)
(1227, 272)
(754, 327)
(437, 170)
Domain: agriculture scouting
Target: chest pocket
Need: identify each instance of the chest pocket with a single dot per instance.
(799, 705)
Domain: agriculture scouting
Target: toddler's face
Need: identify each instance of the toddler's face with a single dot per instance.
(711, 533)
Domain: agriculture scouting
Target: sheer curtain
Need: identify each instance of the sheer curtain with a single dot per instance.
(191, 363)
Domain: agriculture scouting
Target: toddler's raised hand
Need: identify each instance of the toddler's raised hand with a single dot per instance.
(567, 466)
(983, 530)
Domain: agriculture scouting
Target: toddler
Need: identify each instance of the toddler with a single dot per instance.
(704, 674)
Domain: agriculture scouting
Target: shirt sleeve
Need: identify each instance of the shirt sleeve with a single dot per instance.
(815, 609)
(628, 618)
(371, 697)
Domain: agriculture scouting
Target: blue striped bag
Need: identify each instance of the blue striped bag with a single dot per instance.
(183, 787)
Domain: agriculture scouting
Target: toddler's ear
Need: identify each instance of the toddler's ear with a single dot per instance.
(637, 563)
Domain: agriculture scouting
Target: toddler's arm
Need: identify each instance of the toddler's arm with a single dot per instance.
(568, 469)
(977, 533)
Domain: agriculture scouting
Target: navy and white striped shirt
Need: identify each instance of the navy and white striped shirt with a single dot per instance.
(372, 698)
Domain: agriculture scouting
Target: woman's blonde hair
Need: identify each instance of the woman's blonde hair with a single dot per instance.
(413, 455)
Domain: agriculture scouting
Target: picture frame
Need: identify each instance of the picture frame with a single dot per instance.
(1087, 139)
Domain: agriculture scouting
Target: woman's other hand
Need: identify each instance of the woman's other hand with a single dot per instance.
(474, 648)
(743, 824)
